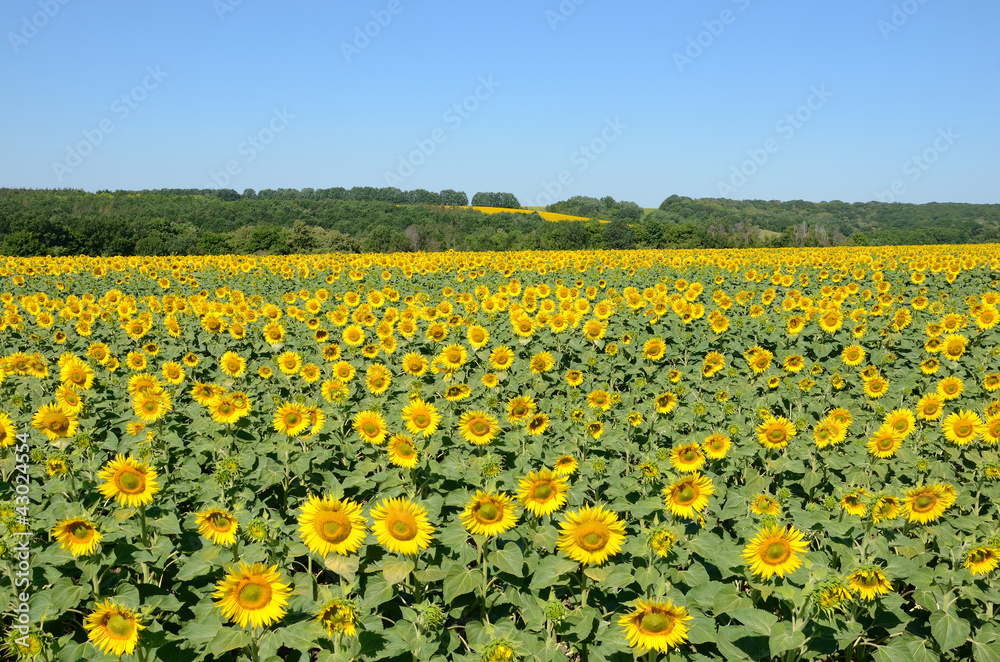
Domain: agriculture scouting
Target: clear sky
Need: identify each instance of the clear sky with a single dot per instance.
(634, 99)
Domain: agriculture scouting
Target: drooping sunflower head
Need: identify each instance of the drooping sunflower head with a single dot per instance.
(869, 582)
(982, 559)
(885, 507)
(217, 525)
(339, 617)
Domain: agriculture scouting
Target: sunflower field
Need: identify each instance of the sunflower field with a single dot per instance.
(590, 456)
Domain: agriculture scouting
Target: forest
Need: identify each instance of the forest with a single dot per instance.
(365, 219)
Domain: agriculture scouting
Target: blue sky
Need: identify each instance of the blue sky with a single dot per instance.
(634, 99)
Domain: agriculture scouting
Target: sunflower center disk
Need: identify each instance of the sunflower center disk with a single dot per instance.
(221, 523)
(81, 532)
(690, 455)
(370, 429)
(119, 627)
(335, 530)
(655, 623)
(131, 482)
(923, 503)
(402, 530)
(543, 492)
(488, 512)
(686, 495)
(777, 552)
(405, 450)
(253, 596)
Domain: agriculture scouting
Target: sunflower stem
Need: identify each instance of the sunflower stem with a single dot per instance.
(486, 585)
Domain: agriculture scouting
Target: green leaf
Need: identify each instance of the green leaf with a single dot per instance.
(948, 629)
(757, 620)
(550, 569)
(345, 566)
(227, 639)
(459, 582)
(728, 600)
(784, 639)
(396, 570)
(508, 559)
(986, 652)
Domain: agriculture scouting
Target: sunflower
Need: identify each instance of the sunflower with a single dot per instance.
(775, 551)
(457, 392)
(759, 360)
(477, 336)
(339, 617)
(69, 399)
(377, 379)
(654, 349)
(203, 393)
(716, 446)
(853, 355)
(354, 335)
(489, 514)
(370, 426)
(869, 582)
(129, 482)
(77, 374)
(55, 422)
(290, 419)
(950, 388)
(954, 346)
(930, 407)
(655, 625)
(344, 371)
(687, 457)
(414, 364)
(828, 432)
(991, 431)
(77, 536)
(252, 595)
(885, 507)
(666, 402)
(453, 357)
(112, 628)
(328, 525)
(542, 492)
(831, 595)
(981, 560)
(765, 504)
(688, 496)
(591, 535)
(218, 526)
(926, 504)
(775, 433)
(401, 526)
(233, 364)
(538, 423)
(151, 406)
(876, 387)
(224, 410)
(885, 442)
(501, 358)
(566, 465)
(478, 427)
(402, 451)
(852, 503)
(962, 427)
(421, 417)
(520, 408)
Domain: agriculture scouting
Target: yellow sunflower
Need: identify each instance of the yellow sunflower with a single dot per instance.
(666, 402)
(925, 504)
(962, 427)
(869, 582)
(489, 514)
(688, 496)
(290, 419)
(402, 451)
(981, 560)
(716, 446)
(339, 617)
(853, 355)
(55, 422)
(655, 625)
(885, 507)
(77, 536)
(930, 407)
(542, 492)
(421, 417)
(885, 442)
(328, 525)
(401, 526)
(566, 465)
(478, 427)
(901, 421)
(520, 408)
(127, 481)
(950, 388)
(8, 434)
(687, 457)
(112, 628)
(765, 504)
(876, 387)
(252, 595)
(775, 551)
(233, 364)
(370, 426)
(775, 433)
(218, 526)
(591, 535)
